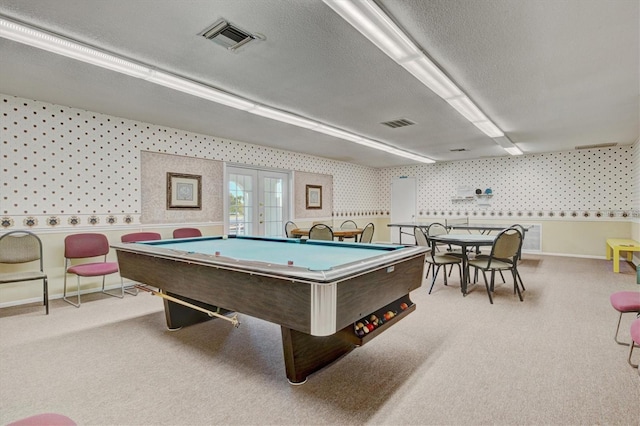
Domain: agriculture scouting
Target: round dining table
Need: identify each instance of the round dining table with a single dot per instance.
(340, 234)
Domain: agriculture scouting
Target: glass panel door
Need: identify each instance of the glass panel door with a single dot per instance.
(258, 201)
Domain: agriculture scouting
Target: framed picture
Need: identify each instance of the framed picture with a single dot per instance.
(184, 191)
(314, 197)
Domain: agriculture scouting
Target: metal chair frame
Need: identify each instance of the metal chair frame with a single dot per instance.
(504, 254)
(18, 247)
(288, 227)
(436, 261)
(100, 246)
(320, 231)
(367, 233)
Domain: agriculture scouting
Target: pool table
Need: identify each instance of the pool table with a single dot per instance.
(315, 290)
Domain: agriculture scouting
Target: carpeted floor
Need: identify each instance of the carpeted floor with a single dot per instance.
(456, 360)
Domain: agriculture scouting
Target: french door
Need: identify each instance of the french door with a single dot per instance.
(258, 201)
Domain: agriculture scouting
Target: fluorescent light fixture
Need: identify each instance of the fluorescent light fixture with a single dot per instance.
(200, 90)
(507, 145)
(489, 128)
(59, 45)
(284, 117)
(368, 18)
(514, 150)
(375, 25)
(338, 133)
(432, 77)
(468, 109)
(65, 47)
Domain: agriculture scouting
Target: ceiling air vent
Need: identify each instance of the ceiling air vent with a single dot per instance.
(227, 35)
(401, 122)
(600, 145)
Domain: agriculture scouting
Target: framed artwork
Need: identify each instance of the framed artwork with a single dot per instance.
(184, 191)
(314, 196)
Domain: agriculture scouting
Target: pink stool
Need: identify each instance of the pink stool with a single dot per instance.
(635, 338)
(625, 302)
(45, 419)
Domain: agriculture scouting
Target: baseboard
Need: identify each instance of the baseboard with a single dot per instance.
(60, 295)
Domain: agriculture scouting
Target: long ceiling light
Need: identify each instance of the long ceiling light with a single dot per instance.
(368, 18)
(62, 46)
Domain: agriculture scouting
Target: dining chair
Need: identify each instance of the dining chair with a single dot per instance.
(321, 231)
(503, 257)
(624, 302)
(288, 227)
(349, 224)
(367, 233)
(18, 247)
(85, 246)
(436, 261)
(435, 229)
(522, 231)
(186, 233)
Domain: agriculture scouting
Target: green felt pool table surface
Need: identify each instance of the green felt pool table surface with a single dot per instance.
(314, 255)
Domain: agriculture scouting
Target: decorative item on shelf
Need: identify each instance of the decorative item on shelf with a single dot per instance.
(478, 191)
(488, 191)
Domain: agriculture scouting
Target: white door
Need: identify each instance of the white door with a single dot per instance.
(258, 202)
(403, 207)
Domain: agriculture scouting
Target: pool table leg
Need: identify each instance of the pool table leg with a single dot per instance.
(305, 354)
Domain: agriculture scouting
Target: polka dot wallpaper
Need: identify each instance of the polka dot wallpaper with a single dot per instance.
(65, 167)
(593, 183)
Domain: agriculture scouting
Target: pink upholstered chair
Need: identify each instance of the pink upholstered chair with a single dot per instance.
(625, 302)
(186, 233)
(635, 341)
(140, 236)
(45, 419)
(135, 237)
(84, 246)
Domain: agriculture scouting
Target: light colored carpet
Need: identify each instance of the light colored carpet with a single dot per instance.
(456, 360)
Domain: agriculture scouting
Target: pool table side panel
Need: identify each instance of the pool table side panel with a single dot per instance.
(281, 301)
(367, 293)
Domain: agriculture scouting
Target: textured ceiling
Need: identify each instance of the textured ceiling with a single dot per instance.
(551, 74)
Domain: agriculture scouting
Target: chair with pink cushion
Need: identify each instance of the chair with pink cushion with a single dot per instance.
(85, 246)
(134, 237)
(186, 233)
(45, 419)
(625, 302)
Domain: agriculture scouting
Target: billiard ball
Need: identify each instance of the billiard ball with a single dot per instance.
(403, 306)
